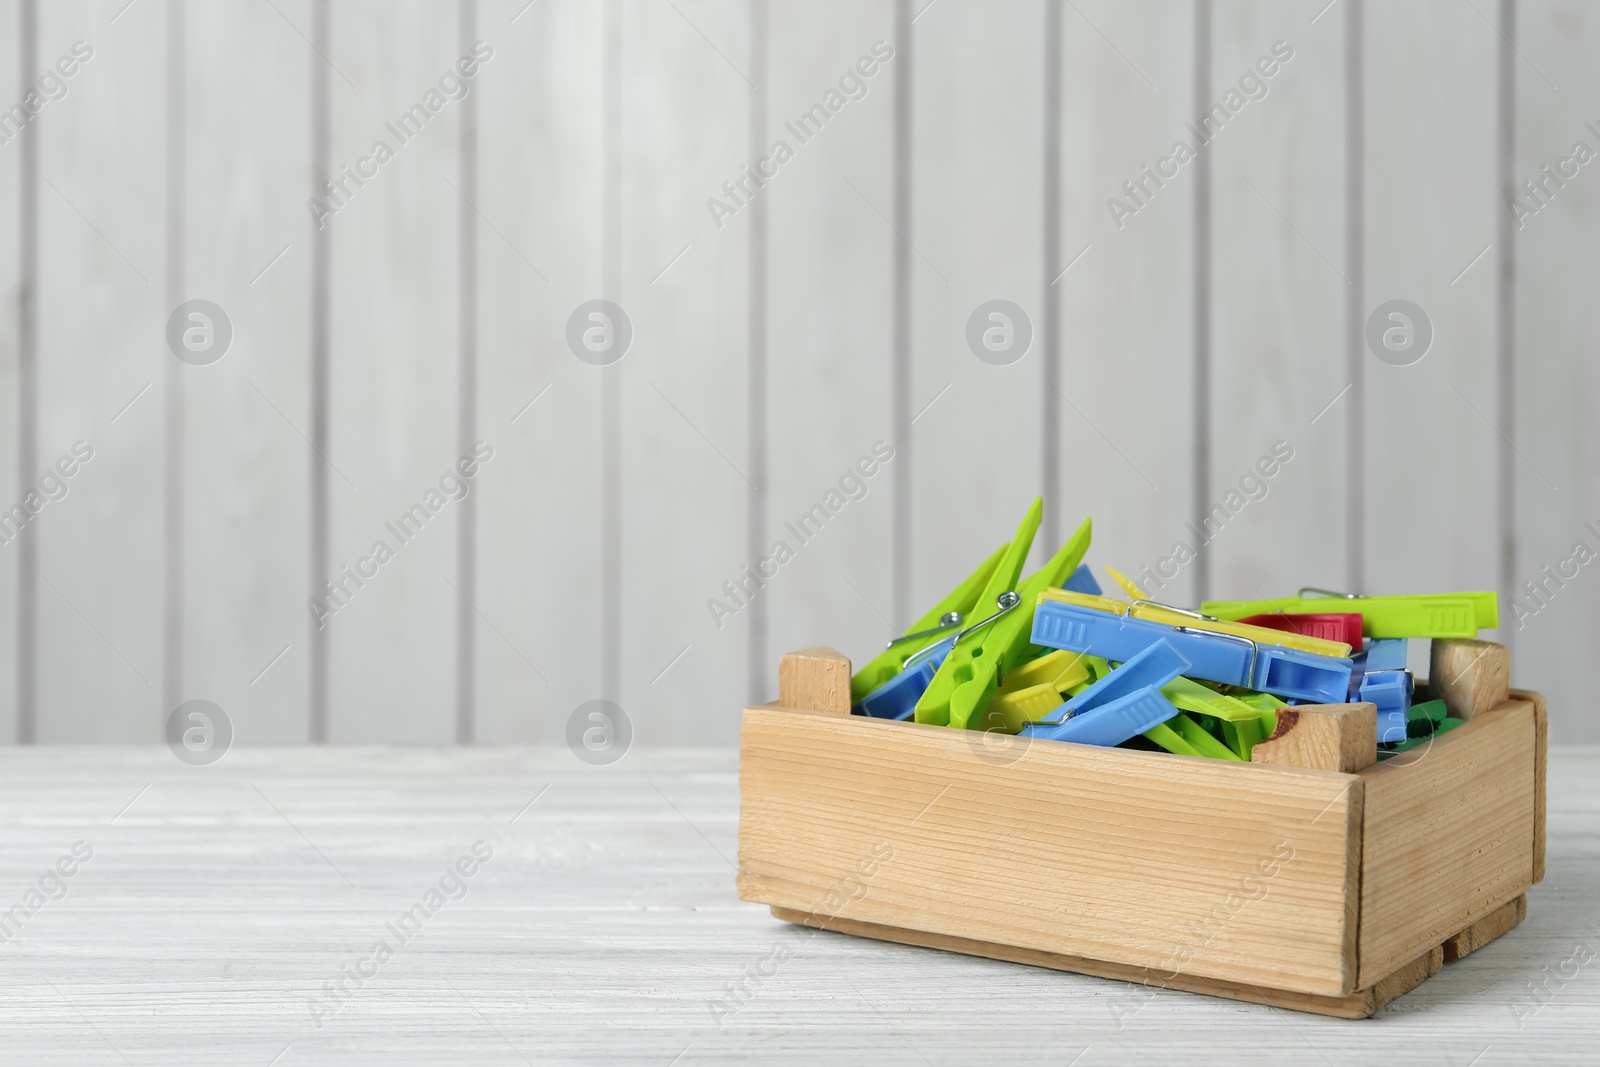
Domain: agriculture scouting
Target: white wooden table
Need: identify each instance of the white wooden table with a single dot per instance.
(221, 903)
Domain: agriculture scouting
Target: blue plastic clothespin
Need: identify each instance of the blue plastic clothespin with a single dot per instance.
(1379, 676)
(897, 698)
(1123, 704)
(1214, 656)
(1082, 581)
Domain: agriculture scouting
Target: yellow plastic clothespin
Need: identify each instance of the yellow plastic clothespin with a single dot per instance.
(1133, 592)
(1038, 687)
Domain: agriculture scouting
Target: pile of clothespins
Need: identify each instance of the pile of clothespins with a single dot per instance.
(1051, 657)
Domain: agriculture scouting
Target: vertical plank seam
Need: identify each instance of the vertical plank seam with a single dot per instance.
(1356, 827)
(1354, 329)
(320, 238)
(1202, 303)
(900, 545)
(610, 381)
(467, 396)
(173, 467)
(28, 385)
(1050, 431)
(756, 517)
(1505, 311)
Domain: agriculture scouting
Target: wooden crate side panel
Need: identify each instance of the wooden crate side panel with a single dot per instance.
(1541, 745)
(1448, 836)
(1240, 873)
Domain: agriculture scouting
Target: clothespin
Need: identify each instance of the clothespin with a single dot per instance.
(1040, 686)
(1379, 676)
(1342, 626)
(1060, 669)
(948, 614)
(1187, 694)
(1262, 702)
(897, 698)
(1185, 737)
(1424, 722)
(1426, 615)
(1123, 704)
(1131, 591)
(1232, 659)
(1242, 724)
(1082, 581)
(969, 676)
(1173, 616)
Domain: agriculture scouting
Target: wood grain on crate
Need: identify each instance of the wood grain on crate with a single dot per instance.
(1471, 677)
(1357, 1005)
(1448, 836)
(817, 679)
(1322, 737)
(1239, 872)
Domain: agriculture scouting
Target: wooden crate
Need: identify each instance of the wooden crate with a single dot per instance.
(1301, 888)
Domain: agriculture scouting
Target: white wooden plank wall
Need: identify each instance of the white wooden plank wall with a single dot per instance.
(11, 296)
(1279, 281)
(102, 319)
(830, 335)
(1557, 382)
(392, 386)
(686, 99)
(538, 544)
(1126, 401)
(247, 469)
(977, 211)
(1171, 348)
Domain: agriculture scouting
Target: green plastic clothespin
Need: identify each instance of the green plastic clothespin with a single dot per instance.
(1425, 615)
(1243, 724)
(971, 673)
(1422, 720)
(934, 705)
(1260, 701)
(1184, 736)
(1187, 694)
(960, 601)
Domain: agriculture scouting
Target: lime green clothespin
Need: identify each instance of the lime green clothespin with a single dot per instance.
(1008, 642)
(1187, 694)
(1268, 706)
(953, 611)
(1425, 615)
(1184, 736)
(1242, 724)
(960, 691)
(997, 591)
